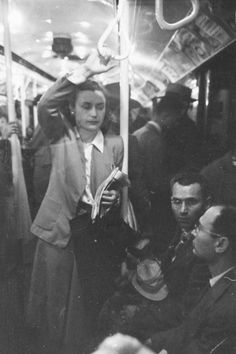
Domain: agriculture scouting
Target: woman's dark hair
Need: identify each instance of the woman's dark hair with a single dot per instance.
(90, 85)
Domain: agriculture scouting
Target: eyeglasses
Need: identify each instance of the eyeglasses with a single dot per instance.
(199, 227)
(189, 203)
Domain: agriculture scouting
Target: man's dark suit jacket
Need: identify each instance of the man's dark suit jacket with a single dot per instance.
(184, 273)
(153, 149)
(210, 327)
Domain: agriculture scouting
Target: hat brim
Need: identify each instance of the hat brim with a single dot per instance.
(161, 293)
(169, 95)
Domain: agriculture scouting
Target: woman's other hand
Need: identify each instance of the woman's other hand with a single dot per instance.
(110, 198)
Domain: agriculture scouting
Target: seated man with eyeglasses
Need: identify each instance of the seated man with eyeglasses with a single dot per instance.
(211, 326)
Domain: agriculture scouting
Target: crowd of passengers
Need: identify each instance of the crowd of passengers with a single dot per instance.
(166, 286)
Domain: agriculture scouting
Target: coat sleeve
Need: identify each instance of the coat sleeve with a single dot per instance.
(52, 106)
(5, 166)
(170, 340)
(213, 173)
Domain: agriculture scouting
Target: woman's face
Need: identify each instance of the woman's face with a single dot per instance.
(90, 110)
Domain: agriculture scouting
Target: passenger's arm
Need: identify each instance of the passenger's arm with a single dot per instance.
(60, 93)
(5, 166)
(50, 106)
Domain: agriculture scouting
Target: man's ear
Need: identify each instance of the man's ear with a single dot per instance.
(222, 244)
(208, 202)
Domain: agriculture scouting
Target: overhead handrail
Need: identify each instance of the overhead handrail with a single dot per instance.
(108, 31)
(173, 26)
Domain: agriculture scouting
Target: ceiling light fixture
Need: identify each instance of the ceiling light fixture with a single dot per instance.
(81, 37)
(104, 2)
(46, 54)
(85, 24)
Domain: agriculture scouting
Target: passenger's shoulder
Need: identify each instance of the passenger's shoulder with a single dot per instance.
(140, 131)
(114, 141)
(230, 277)
(216, 164)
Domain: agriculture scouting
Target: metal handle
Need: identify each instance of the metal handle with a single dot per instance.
(107, 33)
(173, 26)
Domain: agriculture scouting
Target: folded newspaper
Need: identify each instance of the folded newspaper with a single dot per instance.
(116, 179)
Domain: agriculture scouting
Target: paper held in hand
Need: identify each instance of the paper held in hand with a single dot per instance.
(117, 179)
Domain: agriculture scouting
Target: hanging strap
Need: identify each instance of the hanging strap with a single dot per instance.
(173, 26)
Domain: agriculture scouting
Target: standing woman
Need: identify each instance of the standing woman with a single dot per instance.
(82, 158)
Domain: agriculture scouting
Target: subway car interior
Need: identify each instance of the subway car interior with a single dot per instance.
(117, 147)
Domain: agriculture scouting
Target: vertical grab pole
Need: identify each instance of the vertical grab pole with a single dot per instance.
(22, 105)
(124, 98)
(35, 111)
(22, 217)
(8, 62)
(10, 98)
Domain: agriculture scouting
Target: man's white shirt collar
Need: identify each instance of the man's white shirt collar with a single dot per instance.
(218, 277)
(155, 125)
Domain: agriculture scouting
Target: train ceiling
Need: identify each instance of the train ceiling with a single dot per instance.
(57, 35)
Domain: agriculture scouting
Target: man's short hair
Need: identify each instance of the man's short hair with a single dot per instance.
(225, 225)
(187, 178)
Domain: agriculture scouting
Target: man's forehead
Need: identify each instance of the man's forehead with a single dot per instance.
(208, 218)
(185, 192)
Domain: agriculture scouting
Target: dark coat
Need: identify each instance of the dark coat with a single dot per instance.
(138, 192)
(152, 148)
(184, 273)
(210, 327)
(184, 146)
(129, 312)
(221, 178)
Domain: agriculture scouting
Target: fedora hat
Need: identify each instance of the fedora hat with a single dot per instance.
(179, 91)
(113, 94)
(148, 280)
